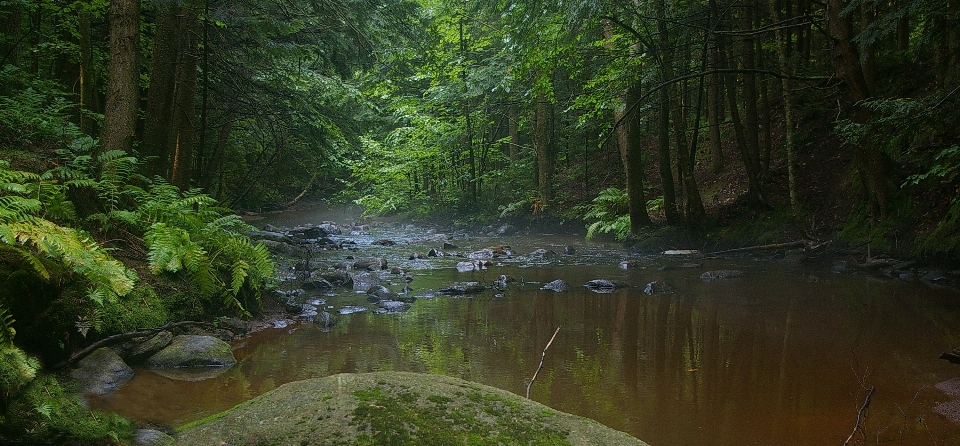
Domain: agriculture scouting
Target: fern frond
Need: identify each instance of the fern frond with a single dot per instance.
(6, 328)
(238, 275)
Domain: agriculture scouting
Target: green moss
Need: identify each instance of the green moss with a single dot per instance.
(206, 420)
(139, 309)
(392, 414)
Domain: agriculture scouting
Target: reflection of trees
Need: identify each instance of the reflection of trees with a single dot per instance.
(766, 359)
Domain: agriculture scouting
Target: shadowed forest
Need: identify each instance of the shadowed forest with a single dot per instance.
(133, 133)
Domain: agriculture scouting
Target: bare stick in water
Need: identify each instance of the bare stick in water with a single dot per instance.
(543, 355)
(860, 415)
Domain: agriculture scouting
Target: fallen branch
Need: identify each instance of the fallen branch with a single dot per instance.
(124, 336)
(863, 408)
(543, 355)
(789, 245)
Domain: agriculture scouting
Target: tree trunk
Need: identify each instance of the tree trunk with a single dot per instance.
(89, 101)
(871, 162)
(751, 115)
(542, 140)
(11, 17)
(754, 191)
(123, 89)
(663, 130)
(513, 115)
(184, 129)
(630, 141)
(158, 124)
(787, 112)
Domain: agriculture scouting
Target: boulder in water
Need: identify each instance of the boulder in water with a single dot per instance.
(193, 351)
(557, 285)
(458, 288)
(405, 408)
(102, 372)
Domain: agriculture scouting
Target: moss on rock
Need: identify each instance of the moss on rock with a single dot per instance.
(396, 408)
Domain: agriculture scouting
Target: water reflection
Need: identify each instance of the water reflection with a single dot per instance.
(776, 357)
(781, 356)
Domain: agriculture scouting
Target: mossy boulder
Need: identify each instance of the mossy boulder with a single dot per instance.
(193, 351)
(396, 408)
(101, 372)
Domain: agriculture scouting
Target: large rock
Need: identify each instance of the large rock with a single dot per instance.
(396, 408)
(101, 372)
(148, 346)
(193, 351)
(457, 288)
(371, 264)
(152, 437)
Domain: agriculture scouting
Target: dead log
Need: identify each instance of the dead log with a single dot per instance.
(789, 245)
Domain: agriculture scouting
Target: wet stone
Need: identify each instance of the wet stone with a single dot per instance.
(557, 285)
(722, 274)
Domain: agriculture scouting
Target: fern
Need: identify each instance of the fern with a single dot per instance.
(6, 329)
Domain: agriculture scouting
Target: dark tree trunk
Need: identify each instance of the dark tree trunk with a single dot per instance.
(158, 126)
(542, 141)
(870, 161)
(184, 129)
(89, 100)
(123, 89)
(629, 139)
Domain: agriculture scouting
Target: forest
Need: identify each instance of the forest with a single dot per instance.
(133, 134)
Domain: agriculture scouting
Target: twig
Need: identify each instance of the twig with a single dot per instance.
(863, 408)
(543, 355)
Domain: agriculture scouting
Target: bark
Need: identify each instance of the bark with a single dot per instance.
(89, 100)
(542, 141)
(787, 112)
(184, 129)
(160, 95)
(123, 89)
(11, 16)
(513, 115)
(751, 115)
(170, 127)
(213, 167)
(663, 131)
(754, 191)
(714, 108)
(871, 162)
(629, 139)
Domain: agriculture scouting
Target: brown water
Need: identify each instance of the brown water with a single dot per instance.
(781, 356)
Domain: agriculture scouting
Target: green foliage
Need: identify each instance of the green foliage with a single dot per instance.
(46, 411)
(34, 114)
(188, 233)
(6, 328)
(610, 212)
(17, 369)
(24, 231)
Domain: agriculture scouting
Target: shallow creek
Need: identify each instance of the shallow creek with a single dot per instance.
(780, 356)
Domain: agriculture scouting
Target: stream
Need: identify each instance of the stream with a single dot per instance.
(781, 356)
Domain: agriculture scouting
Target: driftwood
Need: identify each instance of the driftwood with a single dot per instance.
(124, 336)
(788, 245)
(860, 416)
(543, 355)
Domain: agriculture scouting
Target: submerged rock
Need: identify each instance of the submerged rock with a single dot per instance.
(152, 437)
(722, 274)
(462, 288)
(377, 293)
(371, 264)
(604, 285)
(193, 351)
(557, 285)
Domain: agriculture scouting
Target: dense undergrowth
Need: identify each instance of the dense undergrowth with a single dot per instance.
(89, 247)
